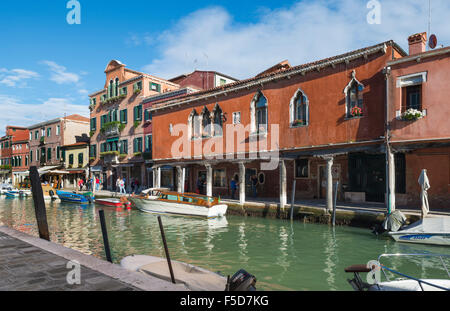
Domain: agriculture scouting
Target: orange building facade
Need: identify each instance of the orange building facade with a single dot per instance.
(316, 123)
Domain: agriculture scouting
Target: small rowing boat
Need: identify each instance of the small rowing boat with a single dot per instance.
(114, 202)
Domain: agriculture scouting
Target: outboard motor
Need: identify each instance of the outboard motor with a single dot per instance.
(241, 281)
(52, 195)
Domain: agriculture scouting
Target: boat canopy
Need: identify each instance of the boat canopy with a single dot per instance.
(430, 225)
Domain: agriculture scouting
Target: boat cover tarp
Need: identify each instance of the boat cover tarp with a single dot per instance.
(394, 221)
(424, 185)
(430, 225)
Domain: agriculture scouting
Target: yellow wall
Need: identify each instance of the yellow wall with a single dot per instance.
(75, 152)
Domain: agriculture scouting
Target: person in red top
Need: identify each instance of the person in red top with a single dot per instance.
(80, 184)
(97, 183)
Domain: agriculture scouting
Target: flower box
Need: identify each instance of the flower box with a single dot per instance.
(356, 112)
(298, 123)
(412, 115)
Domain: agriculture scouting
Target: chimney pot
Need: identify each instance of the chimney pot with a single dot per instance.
(417, 43)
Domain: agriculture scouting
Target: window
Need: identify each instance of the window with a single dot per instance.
(412, 97)
(123, 116)
(261, 113)
(31, 155)
(71, 159)
(58, 153)
(80, 159)
(301, 168)
(36, 134)
(37, 155)
(194, 124)
(299, 109)
(114, 114)
(217, 119)
(354, 97)
(49, 154)
(42, 132)
(206, 123)
(137, 145)
(124, 146)
(93, 124)
(58, 130)
(93, 151)
(223, 81)
(148, 143)
(94, 102)
(155, 87)
(103, 97)
(124, 91)
(31, 135)
(116, 87)
(110, 89)
(103, 120)
(147, 115)
(137, 86)
(138, 113)
(219, 178)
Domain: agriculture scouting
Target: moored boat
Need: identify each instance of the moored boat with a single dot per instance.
(403, 282)
(74, 197)
(168, 202)
(430, 230)
(114, 202)
(192, 277)
(12, 194)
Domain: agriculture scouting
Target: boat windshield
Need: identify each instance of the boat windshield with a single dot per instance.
(169, 197)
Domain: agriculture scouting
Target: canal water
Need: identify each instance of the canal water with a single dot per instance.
(283, 255)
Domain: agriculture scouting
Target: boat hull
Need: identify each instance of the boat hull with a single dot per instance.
(161, 207)
(72, 197)
(411, 285)
(113, 203)
(421, 238)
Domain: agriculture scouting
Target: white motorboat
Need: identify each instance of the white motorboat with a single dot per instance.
(430, 230)
(404, 283)
(191, 204)
(6, 188)
(192, 277)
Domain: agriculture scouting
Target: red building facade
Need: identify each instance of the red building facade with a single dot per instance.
(319, 122)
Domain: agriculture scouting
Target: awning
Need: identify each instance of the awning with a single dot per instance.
(97, 168)
(109, 140)
(45, 170)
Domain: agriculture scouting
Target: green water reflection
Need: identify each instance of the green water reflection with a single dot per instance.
(282, 255)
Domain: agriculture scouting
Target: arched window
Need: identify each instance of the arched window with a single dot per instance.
(261, 113)
(354, 98)
(206, 122)
(217, 119)
(299, 109)
(194, 125)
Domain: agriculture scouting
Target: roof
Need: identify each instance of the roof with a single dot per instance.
(73, 117)
(184, 75)
(275, 68)
(77, 117)
(264, 78)
(419, 56)
(80, 144)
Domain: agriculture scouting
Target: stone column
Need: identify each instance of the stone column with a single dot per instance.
(283, 183)
(183, 177)
(208, 179)
(391, 181)
(241, 182)
(179, 179)
(156, 177)
(329, 184)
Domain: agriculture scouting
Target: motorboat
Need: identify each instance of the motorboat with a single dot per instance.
(169, 202)
(74, 197)
(403, 282)
(192, 277)
(49, 192)
(114, 202)
(429, 230)
(12, 194)
(5, 188)
(25, 192)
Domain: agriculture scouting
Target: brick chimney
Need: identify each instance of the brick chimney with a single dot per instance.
(417, 43)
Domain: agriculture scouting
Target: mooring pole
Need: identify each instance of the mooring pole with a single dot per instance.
(105, 235)
(163, 236)
(293, 199)
(39, 204)
(334, 205)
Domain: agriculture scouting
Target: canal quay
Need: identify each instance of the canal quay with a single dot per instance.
(283, 255)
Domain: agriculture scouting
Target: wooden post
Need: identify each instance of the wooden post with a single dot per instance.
(105, 235)
(39, 204)
(166, 249)
(334, 205)
(293, 199)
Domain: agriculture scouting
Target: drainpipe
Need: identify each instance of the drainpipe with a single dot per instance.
(387, 72)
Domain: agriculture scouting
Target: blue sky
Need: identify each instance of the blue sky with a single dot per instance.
(47, 67)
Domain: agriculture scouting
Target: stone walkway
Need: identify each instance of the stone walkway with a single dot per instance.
(28, 263)
(24, 267)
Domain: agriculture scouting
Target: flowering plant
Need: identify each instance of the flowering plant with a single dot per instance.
(297, 122)
(356, 112)
(412, 115)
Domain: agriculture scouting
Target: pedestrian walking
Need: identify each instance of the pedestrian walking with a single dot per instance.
(118, 181)
(97, 183)
(122, 186)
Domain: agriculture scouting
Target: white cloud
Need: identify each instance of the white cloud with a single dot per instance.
(60, 74)
(16, 77)
(15, 112)
(306, 31)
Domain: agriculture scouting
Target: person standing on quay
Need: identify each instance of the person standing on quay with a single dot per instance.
(122, 186)
(233, 188)
(118, 181)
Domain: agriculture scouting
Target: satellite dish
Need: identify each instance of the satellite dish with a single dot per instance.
(432, 43)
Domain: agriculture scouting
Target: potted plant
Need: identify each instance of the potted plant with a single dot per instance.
(297, 122)
(412, 115)
(356, 112)
(136, 123)
(137, 91)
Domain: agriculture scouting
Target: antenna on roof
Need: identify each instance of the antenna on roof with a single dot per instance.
(429, 22)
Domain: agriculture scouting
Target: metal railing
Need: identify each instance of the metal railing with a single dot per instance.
(420, 282)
